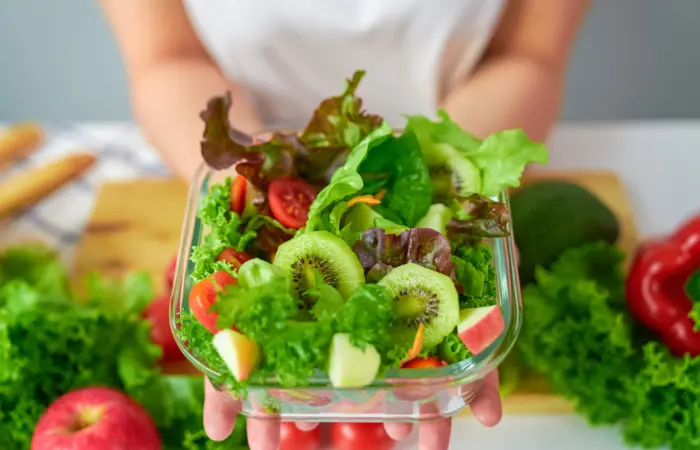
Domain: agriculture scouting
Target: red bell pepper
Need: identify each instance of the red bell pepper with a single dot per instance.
(656, 287)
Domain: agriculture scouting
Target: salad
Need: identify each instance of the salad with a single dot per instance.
(348, 248)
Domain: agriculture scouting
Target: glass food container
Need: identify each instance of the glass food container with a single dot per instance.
(405, 395)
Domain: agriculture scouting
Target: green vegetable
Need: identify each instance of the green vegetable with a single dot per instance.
(368, 316)
(228, 230)
(452, 350)
(398, 166)
(579, 334)
(345, 183)
(265, 311)
(501, 157)
(539, 211)
(475, 274)
(50, 344)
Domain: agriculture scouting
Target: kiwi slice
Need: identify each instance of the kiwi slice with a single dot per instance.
(320, 255)
(422, 296)
(451, 172)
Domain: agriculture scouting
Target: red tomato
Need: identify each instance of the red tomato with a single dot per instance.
(366, 436)
(238, 191)
(422, 363)
(290, 199)
(158, 314)
(170, 274)
(292, 438)
(235, 258)
(203, 295)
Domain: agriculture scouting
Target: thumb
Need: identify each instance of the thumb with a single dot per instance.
(220, 410)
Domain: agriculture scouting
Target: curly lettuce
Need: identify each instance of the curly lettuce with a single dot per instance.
(53, 341)
(580, 335)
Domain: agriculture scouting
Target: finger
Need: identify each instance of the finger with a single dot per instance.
(486, 407)
(219, 412)
(263, 434)
(434, 435)
(398, 430)
(306, 426)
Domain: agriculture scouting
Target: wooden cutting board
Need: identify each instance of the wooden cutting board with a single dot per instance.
(136, 226)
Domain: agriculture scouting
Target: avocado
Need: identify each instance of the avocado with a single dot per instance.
(551, 216)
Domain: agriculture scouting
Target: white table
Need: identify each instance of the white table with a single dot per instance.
(659, 163)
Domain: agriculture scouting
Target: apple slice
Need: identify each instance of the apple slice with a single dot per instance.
(479, 327)
(240, 353)
(350, 367)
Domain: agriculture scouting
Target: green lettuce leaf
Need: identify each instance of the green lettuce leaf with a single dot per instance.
(398, 166)
(345, 183)
(580, 335)
(501, 157)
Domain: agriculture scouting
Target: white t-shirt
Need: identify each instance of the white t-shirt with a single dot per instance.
(290, 54)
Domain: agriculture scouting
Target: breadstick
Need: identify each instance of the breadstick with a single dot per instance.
(28, 187)
(18, 142)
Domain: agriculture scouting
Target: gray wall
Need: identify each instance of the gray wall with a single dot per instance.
(635, 59)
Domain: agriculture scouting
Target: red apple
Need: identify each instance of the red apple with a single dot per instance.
(95, 418)
(479, 327)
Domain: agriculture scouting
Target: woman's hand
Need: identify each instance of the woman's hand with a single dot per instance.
(220, 413)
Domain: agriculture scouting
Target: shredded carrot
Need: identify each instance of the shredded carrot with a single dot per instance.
(380, 195)
(417, 344)
(368, 199)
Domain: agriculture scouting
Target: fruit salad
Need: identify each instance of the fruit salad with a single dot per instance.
(348, 249)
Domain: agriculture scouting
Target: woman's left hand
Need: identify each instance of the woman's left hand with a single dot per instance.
(220, 413)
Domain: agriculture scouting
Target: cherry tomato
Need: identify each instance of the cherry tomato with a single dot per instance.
(203, 295)
(158, 314)
(290, 199)
(235, 258)
(422, 363)
(292, 438)
(170, 274)
(366, 436)
(238, 191)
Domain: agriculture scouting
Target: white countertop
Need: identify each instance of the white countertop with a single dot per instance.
(659, 164)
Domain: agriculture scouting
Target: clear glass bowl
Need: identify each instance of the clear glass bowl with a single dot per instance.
(406, 395)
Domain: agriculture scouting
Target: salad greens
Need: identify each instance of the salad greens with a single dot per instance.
(52, 342)
(580, 334)
(346, 240)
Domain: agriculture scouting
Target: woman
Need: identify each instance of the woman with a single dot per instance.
(492, 64)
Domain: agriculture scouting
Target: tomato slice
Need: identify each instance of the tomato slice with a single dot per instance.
(234, 257)
(292, 438)
(157, 312)
(422, 363)
(203, 295)
(366, 436)
(238, 191)
(290, 199)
